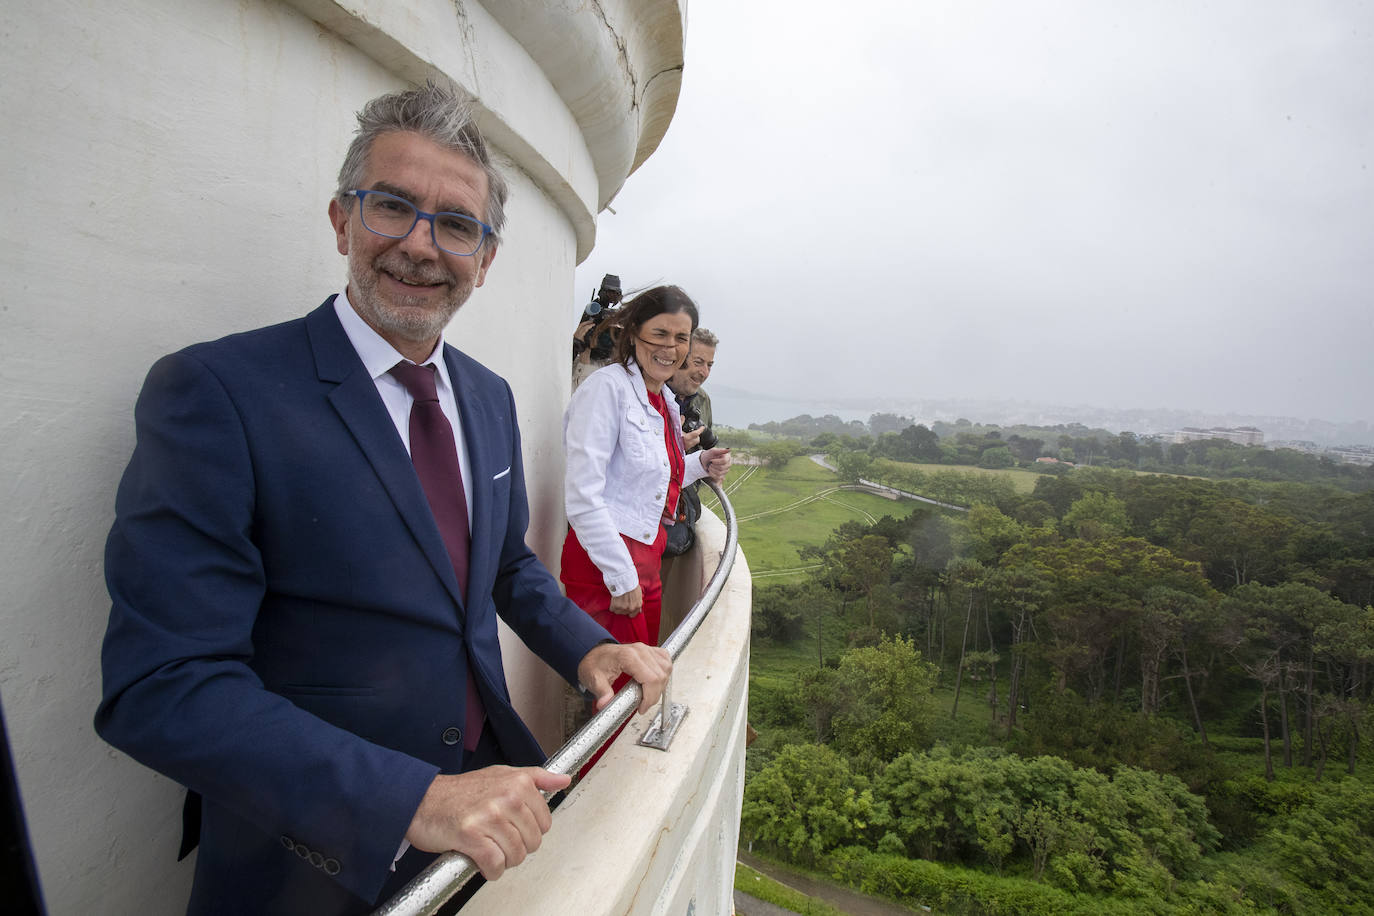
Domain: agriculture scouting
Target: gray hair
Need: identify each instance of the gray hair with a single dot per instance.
(705, 338)
(438, 113)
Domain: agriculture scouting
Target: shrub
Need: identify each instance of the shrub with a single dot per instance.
(806, 802)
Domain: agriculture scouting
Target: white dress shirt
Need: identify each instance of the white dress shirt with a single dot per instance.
(378, 357)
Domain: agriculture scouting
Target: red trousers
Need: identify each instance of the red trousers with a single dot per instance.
(587, 588)
(588, 591)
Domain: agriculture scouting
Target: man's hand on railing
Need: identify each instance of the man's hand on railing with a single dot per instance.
(495, 816)
(716, 462)
(649, 665)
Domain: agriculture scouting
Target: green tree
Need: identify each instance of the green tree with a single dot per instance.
(777, 453)
(1020, 593)
(1096, 515)
(1296, 642)
(850, 465)
(866, 564)
(996, 457)
(1238, 542)
(877, 703)
(825, 442)
(880, 423)
(921, 443)
(1175, 623)
(780, 610)
(806, 802)
(985, 534)
(1326, 848)
(965, 575)
(1097, 596)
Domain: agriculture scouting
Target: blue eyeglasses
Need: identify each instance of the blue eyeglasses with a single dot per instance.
(395, 217)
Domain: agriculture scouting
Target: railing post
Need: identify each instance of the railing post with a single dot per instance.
(670, 715)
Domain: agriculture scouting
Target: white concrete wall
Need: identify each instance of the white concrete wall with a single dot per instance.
(167, 171)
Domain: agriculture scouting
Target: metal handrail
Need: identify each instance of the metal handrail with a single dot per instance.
(447, 874)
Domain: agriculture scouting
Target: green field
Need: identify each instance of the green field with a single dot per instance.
(780, 511)
(783, 510)
(1023, 481)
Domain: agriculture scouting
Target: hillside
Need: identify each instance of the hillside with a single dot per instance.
(1098, 691)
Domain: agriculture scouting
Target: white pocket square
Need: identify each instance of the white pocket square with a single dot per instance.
(502, 474)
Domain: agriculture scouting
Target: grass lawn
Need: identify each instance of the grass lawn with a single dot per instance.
(760, 886)
(778, 667)
(1023, 481)
(780, 511)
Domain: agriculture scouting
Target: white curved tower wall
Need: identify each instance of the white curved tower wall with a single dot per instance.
(167, 171)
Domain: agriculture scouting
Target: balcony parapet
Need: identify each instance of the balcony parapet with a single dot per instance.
(648, 831)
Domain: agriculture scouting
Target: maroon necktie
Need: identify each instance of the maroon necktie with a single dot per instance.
(435, 455)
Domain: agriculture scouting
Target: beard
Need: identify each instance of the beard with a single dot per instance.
(413, 318)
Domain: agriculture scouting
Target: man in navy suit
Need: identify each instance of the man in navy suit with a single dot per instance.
(289, 636)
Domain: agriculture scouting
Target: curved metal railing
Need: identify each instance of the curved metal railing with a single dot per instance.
(445, 877)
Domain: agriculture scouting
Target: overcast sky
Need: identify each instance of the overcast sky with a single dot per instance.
(1119, 204)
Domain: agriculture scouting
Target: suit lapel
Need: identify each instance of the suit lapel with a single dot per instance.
(355, 399)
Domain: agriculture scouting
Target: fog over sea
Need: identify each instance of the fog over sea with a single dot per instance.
(1145, 212)
(739, 408)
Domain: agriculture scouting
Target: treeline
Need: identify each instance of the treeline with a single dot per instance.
(1132, 635)
(989, 446)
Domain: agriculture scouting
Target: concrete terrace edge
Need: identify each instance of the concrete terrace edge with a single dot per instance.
(649, 832)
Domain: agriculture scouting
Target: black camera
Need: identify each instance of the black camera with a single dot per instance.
(691, 420)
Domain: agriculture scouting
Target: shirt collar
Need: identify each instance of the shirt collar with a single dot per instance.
(377, 355)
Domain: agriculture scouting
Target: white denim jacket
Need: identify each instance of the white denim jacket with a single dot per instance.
(617, 468)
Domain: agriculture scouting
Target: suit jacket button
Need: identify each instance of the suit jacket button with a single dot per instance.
(288, 842)
(331, 866)
(302, 850)
(317, 860)
(452, 736)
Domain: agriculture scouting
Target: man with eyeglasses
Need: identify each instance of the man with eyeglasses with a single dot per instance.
(686, 384)
(313, 539)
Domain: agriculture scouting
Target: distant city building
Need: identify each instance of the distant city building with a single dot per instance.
(1347, 454)
(1241, 435)
(1352, 454)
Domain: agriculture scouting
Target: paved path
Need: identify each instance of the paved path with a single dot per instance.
(925, 499)
(752, 906)
(884, 488)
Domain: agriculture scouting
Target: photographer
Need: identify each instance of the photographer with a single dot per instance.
(695, 405)
(594, 339)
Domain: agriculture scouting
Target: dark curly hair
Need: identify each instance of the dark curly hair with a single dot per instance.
(660, 300)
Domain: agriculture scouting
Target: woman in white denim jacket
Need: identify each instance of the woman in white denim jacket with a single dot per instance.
(626, 465)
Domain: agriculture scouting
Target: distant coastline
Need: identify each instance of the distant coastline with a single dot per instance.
(739, 408)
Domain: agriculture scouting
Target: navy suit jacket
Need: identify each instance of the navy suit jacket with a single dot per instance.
(287, 637)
